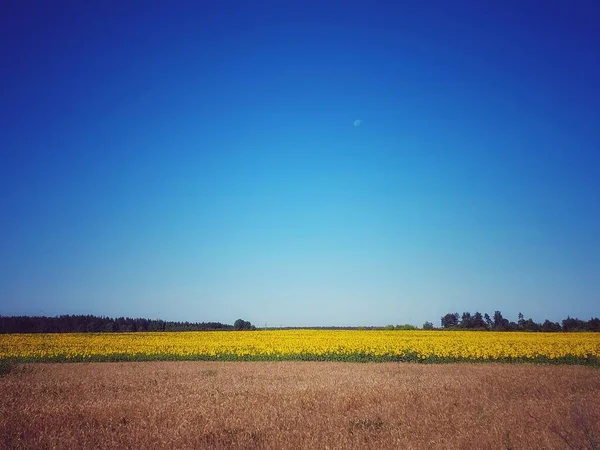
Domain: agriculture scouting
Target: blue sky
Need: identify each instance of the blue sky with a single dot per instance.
(200, 162)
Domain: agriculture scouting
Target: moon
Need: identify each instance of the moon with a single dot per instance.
(357, 122)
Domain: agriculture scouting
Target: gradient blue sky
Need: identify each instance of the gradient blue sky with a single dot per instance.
(201, 163)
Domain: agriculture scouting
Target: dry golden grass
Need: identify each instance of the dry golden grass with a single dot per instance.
(289, 405)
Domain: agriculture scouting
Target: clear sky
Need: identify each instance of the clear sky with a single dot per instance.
(300, 163)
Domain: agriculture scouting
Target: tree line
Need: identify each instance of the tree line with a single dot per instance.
(480, 321)
(95, 324)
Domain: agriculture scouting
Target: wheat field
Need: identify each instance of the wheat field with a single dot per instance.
(299, 405)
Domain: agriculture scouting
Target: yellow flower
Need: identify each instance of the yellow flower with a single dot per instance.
(280, 344)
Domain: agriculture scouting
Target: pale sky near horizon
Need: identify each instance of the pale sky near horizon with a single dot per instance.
(300, 163)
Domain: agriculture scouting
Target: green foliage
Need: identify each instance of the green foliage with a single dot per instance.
(500, 323)
(13, 366)
(428, 326)
(361, 357)
(570, 324)
(7, 366)
(240, 325)
(478, 321)
(550, 326)
(450, 320)
(94, 324)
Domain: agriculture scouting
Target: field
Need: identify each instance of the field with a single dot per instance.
(300, 389)
(353, 345)
(294, 405)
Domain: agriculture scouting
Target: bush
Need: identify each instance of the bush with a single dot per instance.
(6, 366)
(243, 325)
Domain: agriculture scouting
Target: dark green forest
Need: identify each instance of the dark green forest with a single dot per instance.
(451, 321)
(497, 322)
(95, 324)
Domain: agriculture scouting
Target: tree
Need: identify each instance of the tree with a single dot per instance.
(500, 323)
(428, 326)
(478, 321)
(241, 324)
(450, 320)
(511, 326)
(530, 325)
(521, 320)
(466, 321)
(488, 320)
(593, 324)
(570, 324)
(548, 326)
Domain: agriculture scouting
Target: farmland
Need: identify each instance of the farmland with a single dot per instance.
(326, 345)
(272, 389)
(299, 405)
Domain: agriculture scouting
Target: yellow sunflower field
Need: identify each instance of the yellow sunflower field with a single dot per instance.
(341, 345)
